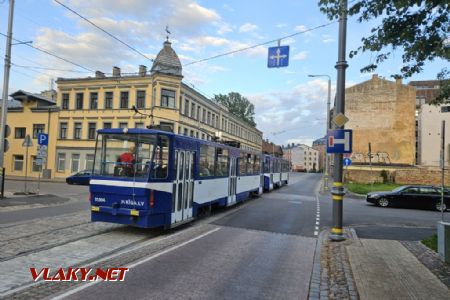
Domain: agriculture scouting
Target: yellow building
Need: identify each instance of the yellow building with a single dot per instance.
(84, 105)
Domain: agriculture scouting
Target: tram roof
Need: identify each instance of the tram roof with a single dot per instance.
(134, 131)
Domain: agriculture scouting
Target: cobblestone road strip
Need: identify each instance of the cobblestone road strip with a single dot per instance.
(332, 276)
(429, 259)
(46, 233)
(132, 254)
(16, 273)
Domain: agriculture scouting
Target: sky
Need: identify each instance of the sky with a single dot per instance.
(290, 107)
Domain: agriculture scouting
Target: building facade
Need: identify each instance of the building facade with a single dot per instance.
(321, 146)
(430, 119)
(158, 97)
(302, 158)
(382, 113)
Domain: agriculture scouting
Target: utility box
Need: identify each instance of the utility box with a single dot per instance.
(443, 229)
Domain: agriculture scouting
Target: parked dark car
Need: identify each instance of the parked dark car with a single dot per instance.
(411, 196)
(81, 177)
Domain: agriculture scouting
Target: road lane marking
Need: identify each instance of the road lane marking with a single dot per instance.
(296, 202)
(92, 283)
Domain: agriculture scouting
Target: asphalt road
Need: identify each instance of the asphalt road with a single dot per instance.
(373, 222)
(78, 194)
(264, 250)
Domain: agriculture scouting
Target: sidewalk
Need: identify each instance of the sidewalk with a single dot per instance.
(31, 200)
(377, 269)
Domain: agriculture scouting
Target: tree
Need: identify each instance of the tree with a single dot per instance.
(238, 105)
(419, 27)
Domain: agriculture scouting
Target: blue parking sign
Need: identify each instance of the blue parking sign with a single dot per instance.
(42, 139)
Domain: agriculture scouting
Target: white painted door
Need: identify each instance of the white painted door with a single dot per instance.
(183, 186)
(232, 181)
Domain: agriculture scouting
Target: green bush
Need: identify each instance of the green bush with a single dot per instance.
(385, 175)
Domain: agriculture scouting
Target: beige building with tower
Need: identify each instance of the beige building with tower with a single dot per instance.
(382, 112)
(84, 105)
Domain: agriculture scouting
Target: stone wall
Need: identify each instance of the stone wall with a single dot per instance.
(413, 175)
(382, 113)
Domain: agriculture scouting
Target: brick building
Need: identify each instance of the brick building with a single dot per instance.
(382, 112)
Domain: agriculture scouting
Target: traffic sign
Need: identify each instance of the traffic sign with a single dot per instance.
(340, 119)
(339, 141)
(347, 161)
(27, 142)
(38, 161)
(278, 57)
(42, 151)
(42, 139)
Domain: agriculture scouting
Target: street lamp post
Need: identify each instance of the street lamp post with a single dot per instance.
(326, 169)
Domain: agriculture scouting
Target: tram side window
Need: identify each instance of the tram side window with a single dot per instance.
(257, 165)
(160, 159)
(207, 158)
(250, 162)
(222, 162)
(266, 164)
(243, 163)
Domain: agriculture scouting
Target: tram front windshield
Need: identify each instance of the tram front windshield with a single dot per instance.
(133, 156)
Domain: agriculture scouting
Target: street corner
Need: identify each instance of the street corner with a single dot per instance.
(13, 201)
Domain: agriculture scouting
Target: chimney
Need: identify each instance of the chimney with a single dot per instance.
(398, 80)
(116, 71)
(99, 74)
(142, 70)
(375, 76)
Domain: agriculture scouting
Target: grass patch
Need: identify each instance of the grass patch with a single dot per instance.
(361, 188)
(431, 242)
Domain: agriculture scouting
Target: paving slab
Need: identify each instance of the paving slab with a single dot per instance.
(385, 269)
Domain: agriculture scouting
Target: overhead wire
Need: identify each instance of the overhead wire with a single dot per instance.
(260, 44)
(50, 53)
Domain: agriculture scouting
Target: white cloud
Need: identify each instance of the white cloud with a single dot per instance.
(326, 39)
(301, 112)
(248, 27)
(303, 28)
(228, 8)
(223, 28)
(281, 25)
(300, 56)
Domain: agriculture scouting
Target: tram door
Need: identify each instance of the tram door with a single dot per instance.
(183, 186)
(232, 181)
(272, 162)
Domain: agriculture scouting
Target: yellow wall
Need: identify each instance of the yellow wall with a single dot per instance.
(84, 147)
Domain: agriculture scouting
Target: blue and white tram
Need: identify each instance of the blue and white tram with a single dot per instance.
(149, 178)
(276, 172)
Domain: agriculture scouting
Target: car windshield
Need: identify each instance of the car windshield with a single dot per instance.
(399, 189)
(132, 156)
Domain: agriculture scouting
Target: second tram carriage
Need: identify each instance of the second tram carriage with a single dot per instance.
(150, 178)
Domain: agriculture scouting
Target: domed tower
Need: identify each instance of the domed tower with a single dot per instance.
(167, 61)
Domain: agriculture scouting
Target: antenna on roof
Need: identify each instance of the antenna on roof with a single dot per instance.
(168, 32)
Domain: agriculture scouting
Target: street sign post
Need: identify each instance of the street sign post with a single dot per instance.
(27, 143)
(339, 141)
(278, 57)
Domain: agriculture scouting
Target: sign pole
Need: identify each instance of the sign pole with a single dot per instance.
(26, 170)
(337, 232)
(442, 168)
(5, 95)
